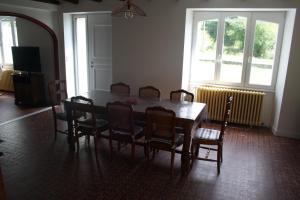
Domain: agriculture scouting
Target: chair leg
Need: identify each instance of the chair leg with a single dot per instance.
(219, 158)
(55, 129)
(95, 144)
(77, 141)
(110, 147)
(221, 149)
(153, 153)
(172, 161)
(88, 139)
(197, 149)
(146, 151)
(132, 149)
(119, 146)
(192, 155)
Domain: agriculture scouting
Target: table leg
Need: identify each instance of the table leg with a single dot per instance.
(185, 157)
(70, 126)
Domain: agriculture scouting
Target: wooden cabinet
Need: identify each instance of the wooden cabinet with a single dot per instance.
(29, 89)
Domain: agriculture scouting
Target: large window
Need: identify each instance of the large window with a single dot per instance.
(236, 48)
(8, 38)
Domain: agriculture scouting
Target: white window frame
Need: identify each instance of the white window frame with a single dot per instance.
(252, 16)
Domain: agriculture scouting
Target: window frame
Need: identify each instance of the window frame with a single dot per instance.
(251, 18)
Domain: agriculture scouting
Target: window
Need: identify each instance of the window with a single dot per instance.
(8, 38)
(236, 48)
(81, 63)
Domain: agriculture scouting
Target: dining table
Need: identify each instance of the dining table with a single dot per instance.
(188, 115)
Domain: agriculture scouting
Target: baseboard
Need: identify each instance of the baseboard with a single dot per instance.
(288, 134)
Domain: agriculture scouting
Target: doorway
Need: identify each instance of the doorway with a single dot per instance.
(92, 67)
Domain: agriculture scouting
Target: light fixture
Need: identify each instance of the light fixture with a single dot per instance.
(128, 10)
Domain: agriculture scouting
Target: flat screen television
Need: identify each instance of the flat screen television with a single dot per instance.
(26, 58)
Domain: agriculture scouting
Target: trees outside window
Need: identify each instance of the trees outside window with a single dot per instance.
(236, 48)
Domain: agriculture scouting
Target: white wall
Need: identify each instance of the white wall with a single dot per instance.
(150, 50)
(44, 12)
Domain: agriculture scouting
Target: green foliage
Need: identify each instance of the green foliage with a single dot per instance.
(211, 28)
(234, 36)
(265, 39)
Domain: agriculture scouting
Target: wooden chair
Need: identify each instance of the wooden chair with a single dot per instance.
(120, 89)
(58, 92)
(88, 124)
(160, 132)
(121, 125)
(149, 92)
(204, 136)
(181, 95)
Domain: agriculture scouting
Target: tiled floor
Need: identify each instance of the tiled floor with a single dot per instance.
(8, 109)
(257, 165)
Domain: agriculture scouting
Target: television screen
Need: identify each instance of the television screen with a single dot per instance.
(26, 59)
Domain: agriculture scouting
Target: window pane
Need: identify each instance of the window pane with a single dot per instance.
(81, 55)
(7, 40)
(203, 67)
(233, 49)
(265, 39)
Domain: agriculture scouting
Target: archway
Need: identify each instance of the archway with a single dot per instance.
(48, 29)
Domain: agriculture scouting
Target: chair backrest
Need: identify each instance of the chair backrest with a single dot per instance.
(181, 95)
(226, 114)
(120, 116)
(84, 107)
(120, 89)
(149, 92)
(57, 91)
(160, 123)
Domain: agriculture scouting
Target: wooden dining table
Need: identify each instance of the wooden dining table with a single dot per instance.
(188, 115)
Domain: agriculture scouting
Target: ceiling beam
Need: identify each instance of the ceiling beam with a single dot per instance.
(48, 1)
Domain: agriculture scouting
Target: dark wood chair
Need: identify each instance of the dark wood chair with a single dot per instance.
(181, 95)
(160, 132)
(208, 137)
(120, 89)
(86, 125)
(58, 92)
(149, 92)
(121, 125)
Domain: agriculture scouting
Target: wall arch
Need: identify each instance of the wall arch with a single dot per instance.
(48, 29)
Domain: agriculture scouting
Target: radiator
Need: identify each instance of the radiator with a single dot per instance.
(246, 105)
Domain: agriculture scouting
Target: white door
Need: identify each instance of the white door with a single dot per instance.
(100, 51)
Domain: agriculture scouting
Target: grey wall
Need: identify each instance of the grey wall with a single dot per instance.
(30, 34)
(150, 50)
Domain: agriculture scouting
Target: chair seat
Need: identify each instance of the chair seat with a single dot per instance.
(61, 116)
(178, 141)
(85, 125)
(138, 132)
(179, 129)
(207, 134)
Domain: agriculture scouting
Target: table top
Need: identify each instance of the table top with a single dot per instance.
(184, 110)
